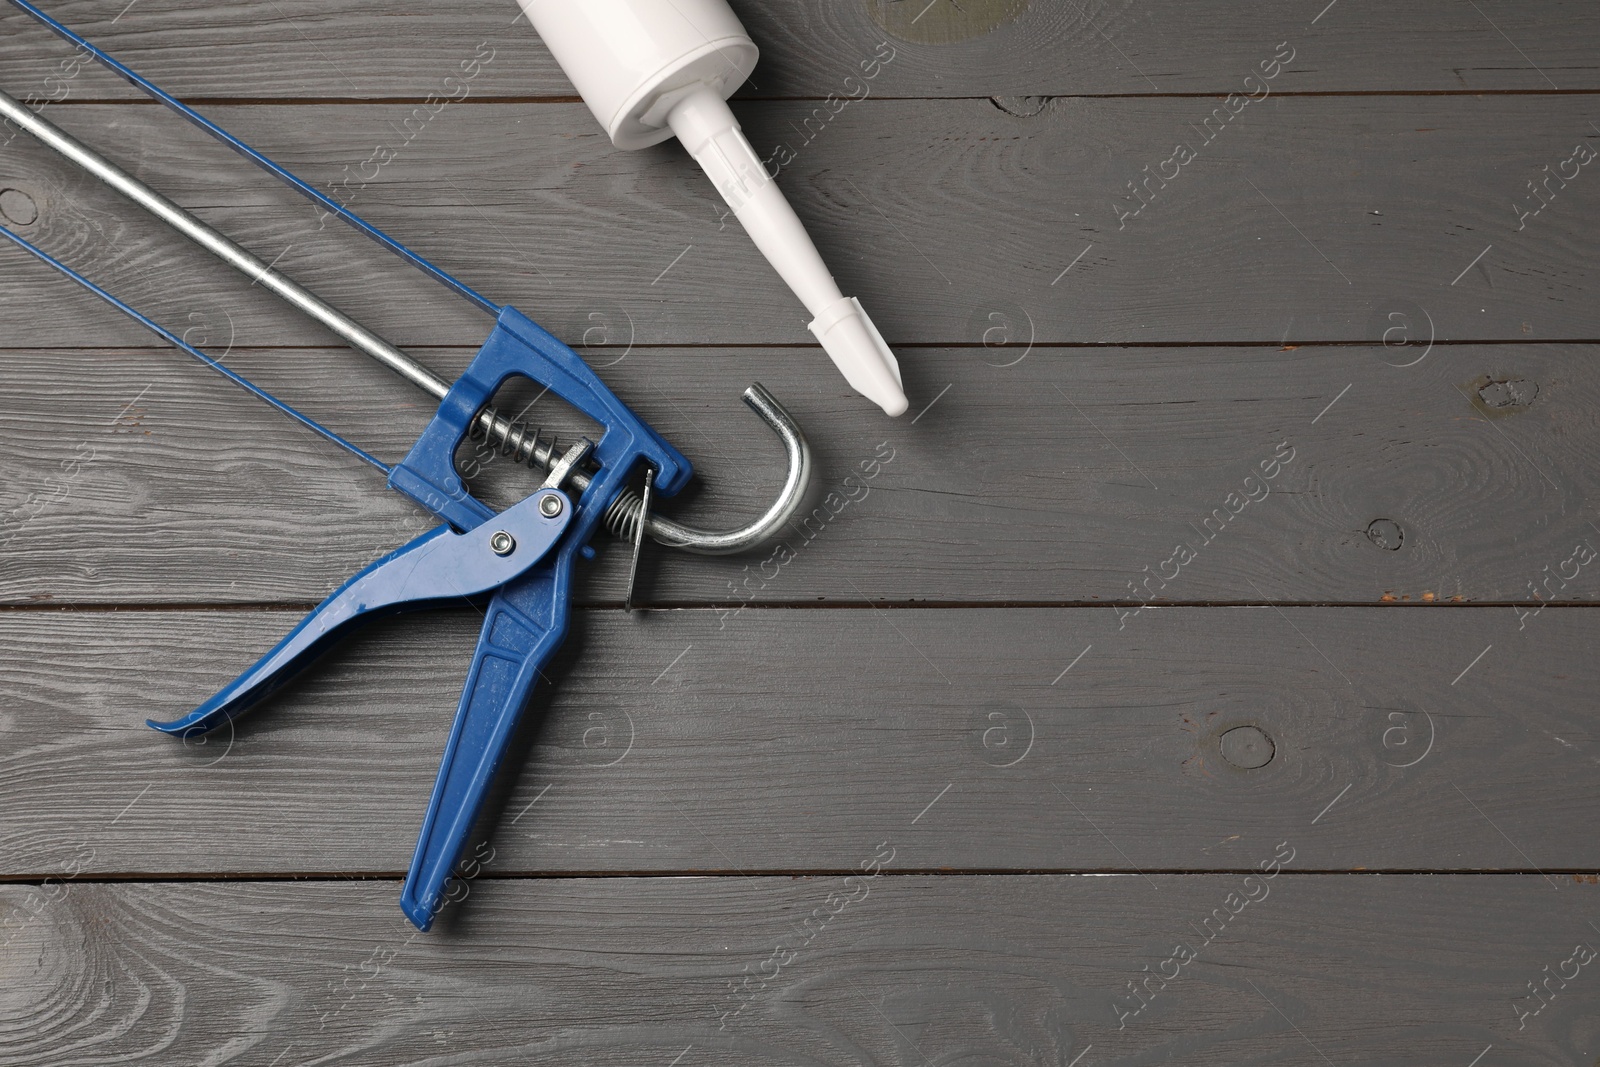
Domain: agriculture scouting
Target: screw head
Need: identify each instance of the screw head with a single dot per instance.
(550, 506)
(502, 543)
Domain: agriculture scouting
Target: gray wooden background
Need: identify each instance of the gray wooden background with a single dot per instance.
(991, 771)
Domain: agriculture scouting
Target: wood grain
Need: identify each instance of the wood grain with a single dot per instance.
(919, 970)
(1306, 219)
(404, 48)
(1059, 478)
(777, 741)
(1323, 399)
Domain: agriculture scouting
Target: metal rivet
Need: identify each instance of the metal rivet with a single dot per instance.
(550, 506)
(502, 543)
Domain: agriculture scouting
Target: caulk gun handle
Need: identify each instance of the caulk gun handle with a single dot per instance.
(523, 627)
(440, 567)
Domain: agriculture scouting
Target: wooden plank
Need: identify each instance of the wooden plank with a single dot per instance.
(788, 740)
(1068, 477)
(909, 970)
(1066, 789)
(1309, 218)
(998, 47)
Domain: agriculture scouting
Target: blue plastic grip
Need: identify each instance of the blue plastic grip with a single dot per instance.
(527, 619)
(524, 626)
(437, 567)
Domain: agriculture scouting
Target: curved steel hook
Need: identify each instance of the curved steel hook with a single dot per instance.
(622, 516)
(795, 483)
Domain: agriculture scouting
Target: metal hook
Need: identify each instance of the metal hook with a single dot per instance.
(623, 515)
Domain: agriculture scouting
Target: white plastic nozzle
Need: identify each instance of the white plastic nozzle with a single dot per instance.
(707, 128)
(651, 69)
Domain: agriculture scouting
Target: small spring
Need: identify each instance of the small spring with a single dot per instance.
(523, 443)
(622, 517)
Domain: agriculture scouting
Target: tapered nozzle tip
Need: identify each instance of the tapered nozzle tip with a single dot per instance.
(861, 354)
(893, 404)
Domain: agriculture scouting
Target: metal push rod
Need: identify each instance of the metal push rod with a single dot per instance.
(240, 259)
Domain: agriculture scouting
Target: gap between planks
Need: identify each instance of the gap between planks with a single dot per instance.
(601, 607)
(182, 878)
(599, 350)
(339, 101)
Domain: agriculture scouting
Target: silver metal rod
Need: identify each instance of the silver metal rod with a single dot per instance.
(358, 336)
(238, 258)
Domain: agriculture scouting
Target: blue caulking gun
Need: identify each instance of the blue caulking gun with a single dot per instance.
(520, 561)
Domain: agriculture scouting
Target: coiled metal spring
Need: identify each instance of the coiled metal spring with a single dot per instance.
(623, 516)
(528, 445)
(518, 440)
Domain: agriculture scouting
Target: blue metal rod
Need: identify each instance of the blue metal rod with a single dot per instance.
(288, 177)
(172, 338)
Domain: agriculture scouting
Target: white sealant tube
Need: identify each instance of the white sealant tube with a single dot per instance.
(652, 69)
